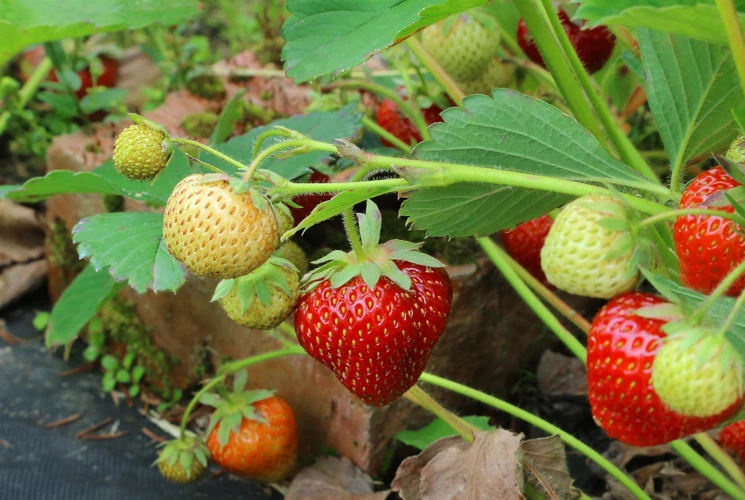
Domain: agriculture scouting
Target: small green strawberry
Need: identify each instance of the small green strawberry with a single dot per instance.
(183, 460)
(463, 44)
(498, 74)
(736, 151)
(141, 152)
(291, 251)
(218, 233)
(589, 250)
(698, 374)
(262, 299)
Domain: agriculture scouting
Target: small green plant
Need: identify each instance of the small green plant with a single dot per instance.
(124, 372)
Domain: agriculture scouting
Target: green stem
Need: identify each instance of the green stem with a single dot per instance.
(500, 259)
(265, 135)
(674, 214)
(731, 21)
(557, 62)
(621, 142)
(707, 470)
(208, 149)
(405, 107)
(417, 395)
(722, 458)
(429, 62)
(720, 290)
(232, 368)
(733, 314)
(377, 129)
(541, 424)
(28, 90)
(269, 151)
(546, 294)
(354, 238)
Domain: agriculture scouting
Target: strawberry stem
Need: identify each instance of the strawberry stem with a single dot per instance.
(317, 146)
(674, 214)
(352, 234)
(208, 149)
(418, 396)
(429, 62)
(718, 292)
(541, 424)
(28, 90)
(722, 458)
(229, 369)
(377, 129)
(500, 259)
(707, 470)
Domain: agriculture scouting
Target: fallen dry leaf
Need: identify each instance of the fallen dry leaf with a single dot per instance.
(545, 465)
(21, 234)
(452, 469)
(560, 375)
(332, 478)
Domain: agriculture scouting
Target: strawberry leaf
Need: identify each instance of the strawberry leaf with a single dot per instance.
(130, 245)
(691, 87)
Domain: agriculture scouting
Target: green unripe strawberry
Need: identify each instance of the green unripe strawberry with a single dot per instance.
(498, 74)
(215, 232)
(463, 44)
(736, 151)
(263, 299)
(588, 250)
(698, 374)
(291, 251)
(140, 152)
(183, 460)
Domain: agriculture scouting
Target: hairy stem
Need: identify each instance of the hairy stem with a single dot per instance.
(208, 149)
(429, 62)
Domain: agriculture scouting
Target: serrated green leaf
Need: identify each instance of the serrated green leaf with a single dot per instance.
(509, 131)
(435, 13)
(337, 205)
(698, 19)
(24, 24)
(130, 245)
(78, 304)
(91, 353)
(691, 87)
(319, 126)
(437, 430)
(108, 382)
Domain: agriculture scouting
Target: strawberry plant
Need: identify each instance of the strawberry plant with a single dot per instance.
(664, 356)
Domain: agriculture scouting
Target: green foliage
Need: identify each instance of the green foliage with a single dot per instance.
(437, 430)
(698, 19)
(78, 304)
(691, 86)
(509, 131)
(321, 126)
(23, 24)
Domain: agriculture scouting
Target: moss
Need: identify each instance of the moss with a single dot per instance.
(207, 86)
(113, 203)
(62, 252)
(93, 147)
(123, 326)
(200, 124)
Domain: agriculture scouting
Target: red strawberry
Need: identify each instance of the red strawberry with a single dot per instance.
(732, 439)
(594, 46)
(524, 244)
(376, 341)
(708, 247)
(106, 79)
(394, 122)
(620, 352)
(309, 202)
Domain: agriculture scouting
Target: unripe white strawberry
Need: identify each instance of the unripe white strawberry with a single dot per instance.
(217, 233)
(140, 152)
(589, 248)
(498, 74)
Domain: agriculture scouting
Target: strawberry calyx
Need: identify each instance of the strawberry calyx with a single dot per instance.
(374, 261)
(234, 406)
(184, 450)
(257, 284)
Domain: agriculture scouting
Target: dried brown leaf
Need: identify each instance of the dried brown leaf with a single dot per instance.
(452, 469)
(21, 234)
(332, 478)
(20, 279)
(545, 465)
(560, 375)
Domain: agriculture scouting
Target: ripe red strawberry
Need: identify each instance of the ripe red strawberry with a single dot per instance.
(732, 439)
(621, 350)
(309, 202)
(594, 46)
(524, 244)
(377, 341)
(373, 316)
(254, 434)
(397, 124)
(708, 247)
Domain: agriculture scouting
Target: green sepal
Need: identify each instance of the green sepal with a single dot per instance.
(614, 223)
(214, 177)
(141, 120)
(343, 276)
(370, 274)
(247, 292)
(612, 209)
(222, 289)
(666, 311)
(234, 407)
(184, 450)
(623, 246)
(259, 200)
(370, 225)
(240, 186)
(262, 292)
